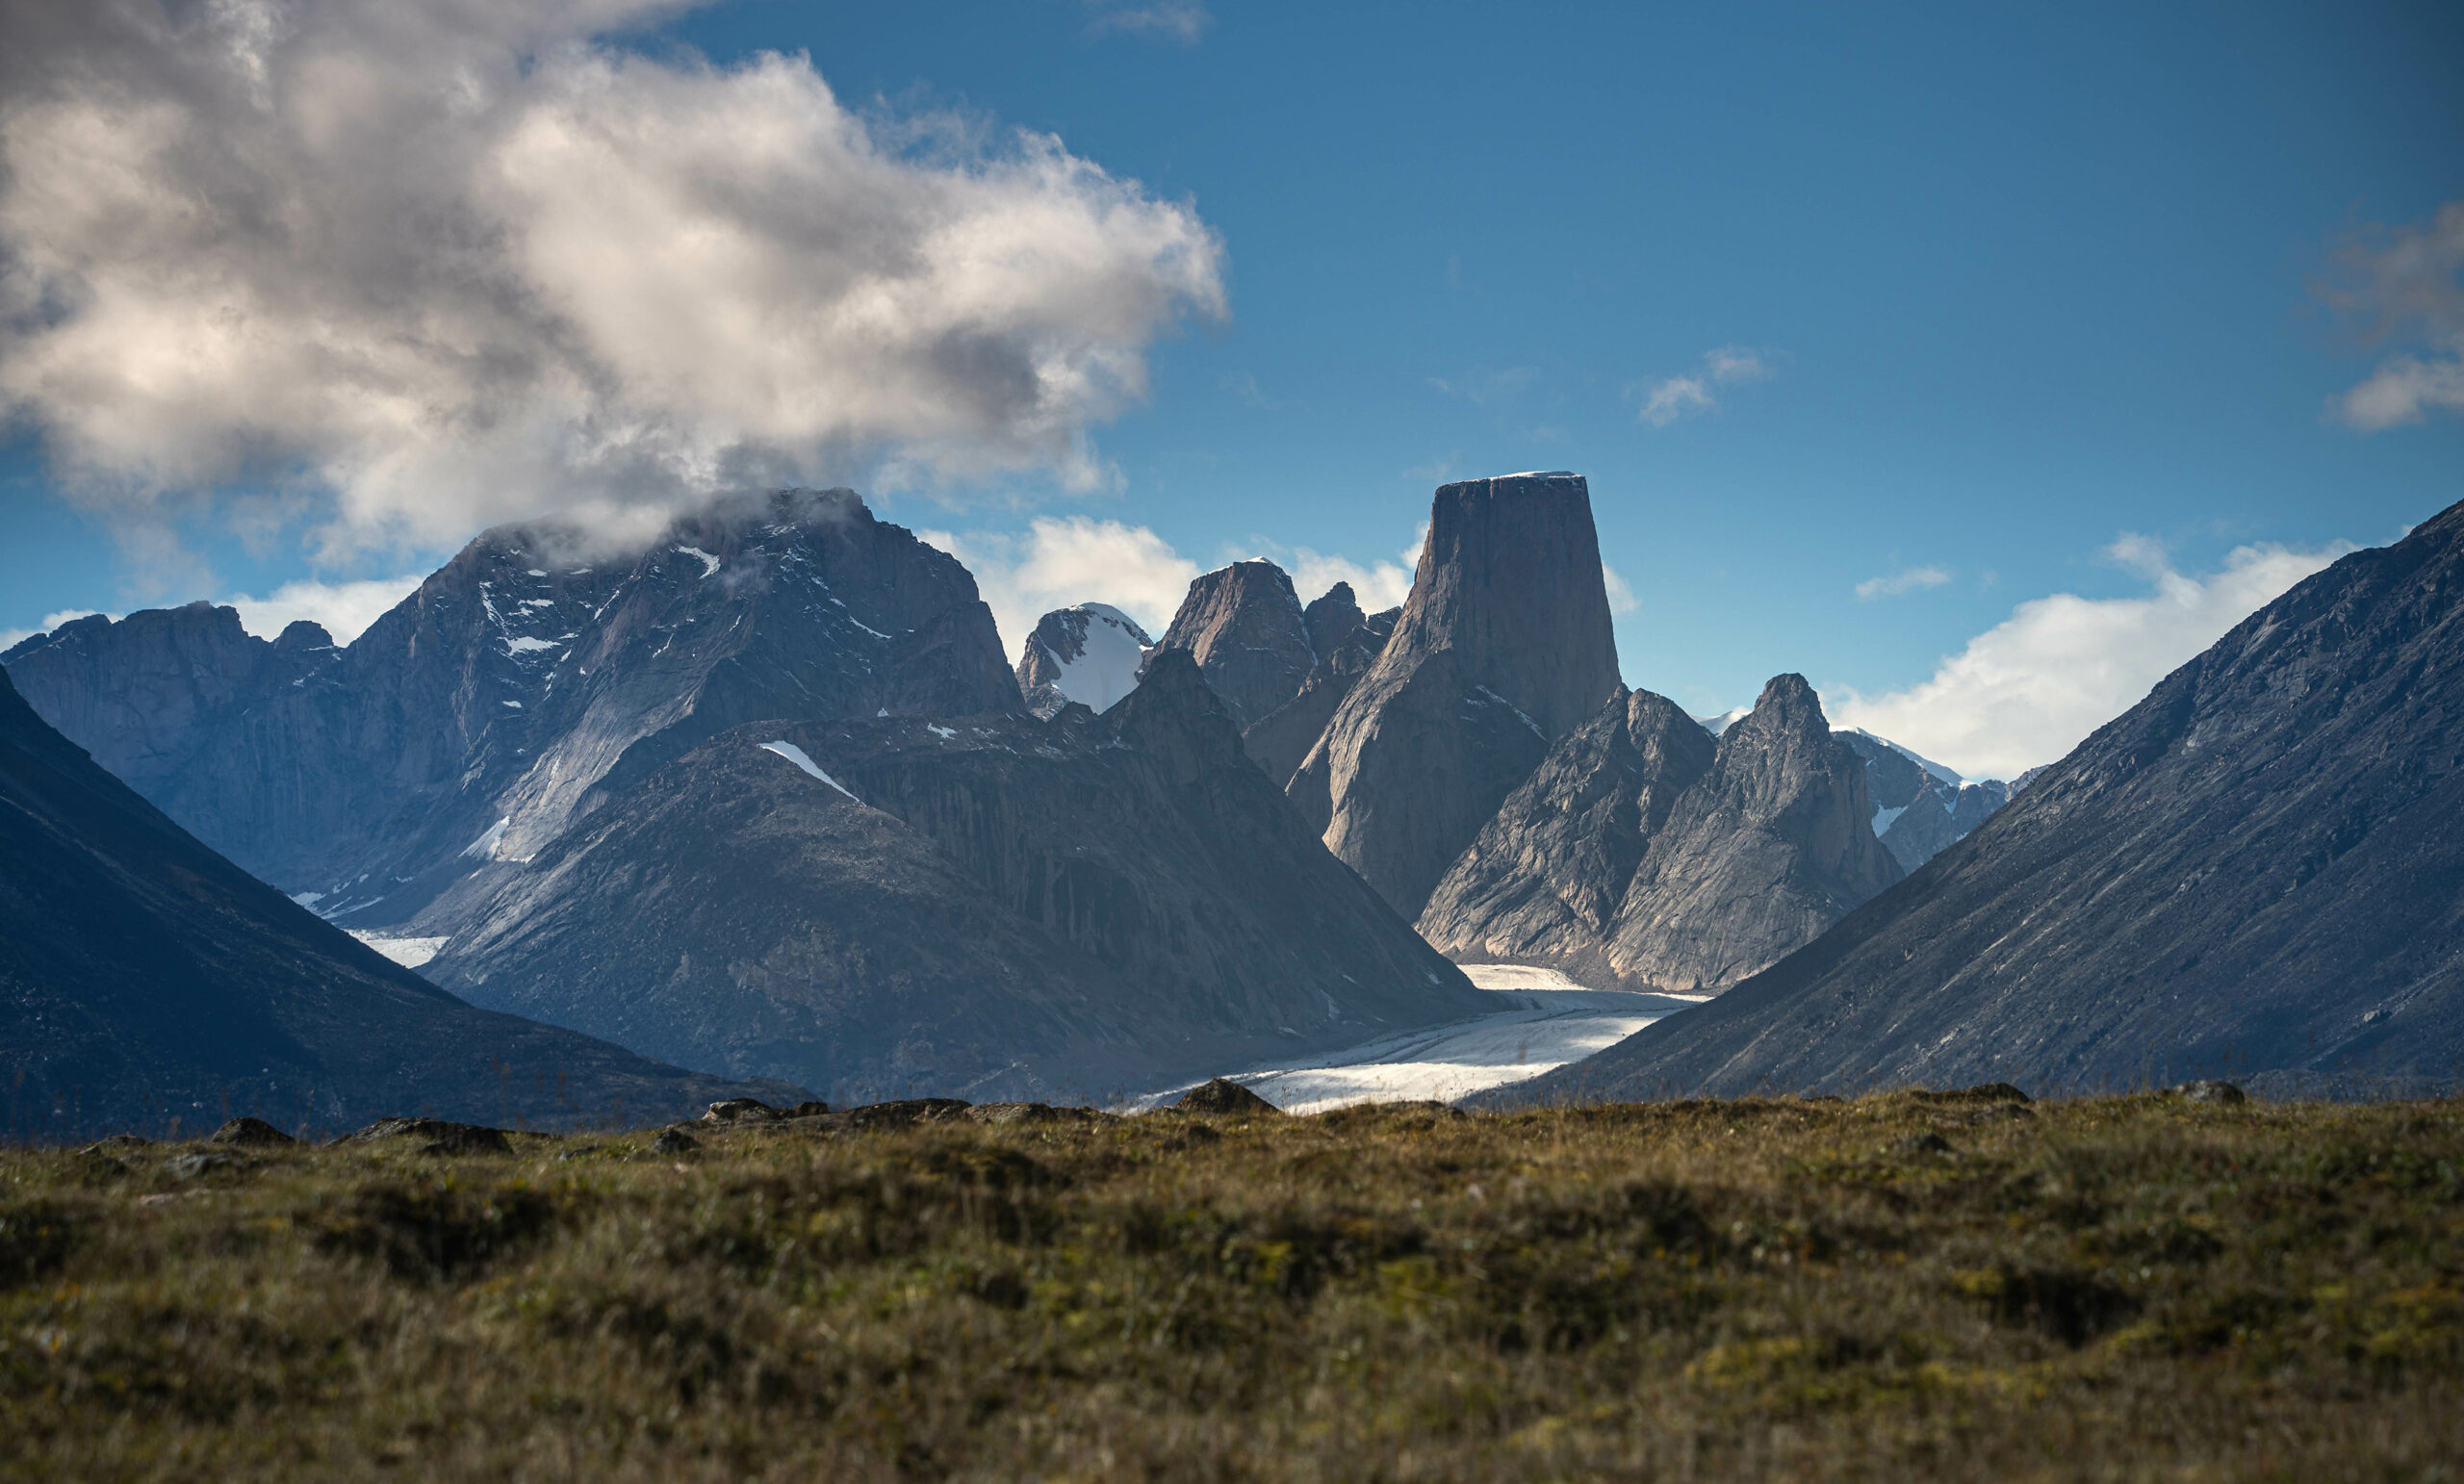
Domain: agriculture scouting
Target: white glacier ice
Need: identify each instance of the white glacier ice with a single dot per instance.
(709, 563)
(1543, 1021)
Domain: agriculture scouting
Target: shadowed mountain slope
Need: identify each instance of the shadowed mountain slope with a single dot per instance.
(995, 906)
(467, 725)
(2255, 869)
(1348, 643)
(146, 979)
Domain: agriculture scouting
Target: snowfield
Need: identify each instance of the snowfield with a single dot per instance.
(1107, 668)
(1543, 1021)
(408, 952)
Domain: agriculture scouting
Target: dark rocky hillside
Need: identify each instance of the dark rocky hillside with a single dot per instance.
(467, 726)
(143, 978)
(1643, 853)
(1503, 647)
(2256, 869)
(995, 906)
(1917, 811)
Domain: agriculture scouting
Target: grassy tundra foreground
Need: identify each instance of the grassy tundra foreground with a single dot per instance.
(1939, 1285)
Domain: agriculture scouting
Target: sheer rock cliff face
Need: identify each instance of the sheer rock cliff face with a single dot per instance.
(1243, 625)
(1090, 653)
(2255, 869)
(1348, 643)
(146, 979)
(1503, 647)
(1000, 904)
(1643, 853)
(516, 686)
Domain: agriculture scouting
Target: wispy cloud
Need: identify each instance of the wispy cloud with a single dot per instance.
(2034, 686)
(1185, 22)
(1483, 388)
(1684, 396)
(2405, 285)
(1906, 580)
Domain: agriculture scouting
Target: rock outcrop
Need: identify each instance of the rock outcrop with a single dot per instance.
(1348, 643)
(2254, 868)
(528, 675)
(1642, 854)
(1920, 807)
(146, 982)
(1091, 655)
(1244, 627)
(999, 906)
(1503, 647)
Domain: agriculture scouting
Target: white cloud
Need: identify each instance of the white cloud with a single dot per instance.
(1682, 396)
(1621, 598)
(2407, 284)
(429, 265)
(1906, 580)
(1061, 561)
(2034, 686)
(344, 609)
(1173, 20)
(1375, 585)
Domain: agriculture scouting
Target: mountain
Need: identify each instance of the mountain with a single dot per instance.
(999, 906)
(1644, 853)
(1346, 643)
(529, 677)
(143, 978)
(2253, 870)
(1243, 626)
(1504, 646)
(1920, 807)
(1091, 655)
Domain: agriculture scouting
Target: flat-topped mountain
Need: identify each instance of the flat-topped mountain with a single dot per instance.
(467, 725)
(2253, 870)
(1504, 646)
(1644, 853)
(993, 905)
(1089, 654)
(143, 978)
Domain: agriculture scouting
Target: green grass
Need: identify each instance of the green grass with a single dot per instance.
(2123, 1288)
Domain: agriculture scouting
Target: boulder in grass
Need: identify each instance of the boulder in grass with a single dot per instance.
(2207, 1089)
(675, 1141)
(741, 1110)
(250, 1133)
(440, 1137)
(1223, 1096)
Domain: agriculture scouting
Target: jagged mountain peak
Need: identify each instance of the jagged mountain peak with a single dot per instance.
(1245, 624)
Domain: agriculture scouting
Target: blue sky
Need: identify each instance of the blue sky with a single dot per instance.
(1992, 287)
